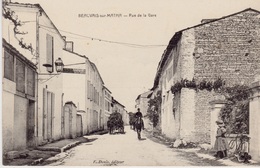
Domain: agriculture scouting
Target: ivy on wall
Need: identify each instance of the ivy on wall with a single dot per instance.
(208, 85)
(7, 13)
(154, 109)
(235, 113)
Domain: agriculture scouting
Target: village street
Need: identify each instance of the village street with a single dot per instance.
(127, 150)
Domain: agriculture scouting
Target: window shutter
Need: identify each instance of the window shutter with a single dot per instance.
(49, 52)
(30, 82)
(20, 76)
(44, 131)
(8, 66)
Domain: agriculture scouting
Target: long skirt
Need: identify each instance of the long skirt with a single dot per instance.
(221, 144)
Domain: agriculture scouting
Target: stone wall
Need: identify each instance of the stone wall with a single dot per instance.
(228, 48)
(187, 108)
(202, 114)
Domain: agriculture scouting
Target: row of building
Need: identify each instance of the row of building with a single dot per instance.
(226, 48)
(50, 92)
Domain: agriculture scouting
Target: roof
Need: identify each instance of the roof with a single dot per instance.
(28, 5)
(14, 50)
(107, 89)
(72, 52)
(91, 63)
(138, 97)
(144, 95)
(176, 37)
(115, 101)
(95, 67)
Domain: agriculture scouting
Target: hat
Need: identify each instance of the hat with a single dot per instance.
(219, 122)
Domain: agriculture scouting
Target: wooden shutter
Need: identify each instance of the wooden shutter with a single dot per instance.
(49, 52)
(8, 66)
(44, 118)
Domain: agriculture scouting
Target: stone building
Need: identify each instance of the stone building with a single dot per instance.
(142, 103)
(38, 38)
(95, 97)
(83, 85)
(228, 48)
(19, 100)
(107, 105)
(118, 107)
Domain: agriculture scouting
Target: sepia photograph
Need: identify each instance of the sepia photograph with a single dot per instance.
(130, 83)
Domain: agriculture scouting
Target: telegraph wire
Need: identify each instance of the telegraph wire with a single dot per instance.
(47, 79)
(107, 41)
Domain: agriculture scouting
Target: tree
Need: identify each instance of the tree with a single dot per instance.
(115, 120)
(235, 113)
(154, 108)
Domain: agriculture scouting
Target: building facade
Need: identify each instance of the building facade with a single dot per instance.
(95, 98)
(142, 103)
(83, 86)
(118, 107)
(107, 105)
(19, 100)
(225, 48)
(74, 85)
(41, 42)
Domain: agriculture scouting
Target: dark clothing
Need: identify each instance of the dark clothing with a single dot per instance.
(139, 124)
(138, 114)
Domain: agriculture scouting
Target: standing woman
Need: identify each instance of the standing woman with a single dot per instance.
(221, 144)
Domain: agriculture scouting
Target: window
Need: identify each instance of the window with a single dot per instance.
(49, 52)
(20, 76)
(88, 90)
(30, 82)
(8, 66)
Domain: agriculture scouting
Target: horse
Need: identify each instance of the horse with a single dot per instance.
(139, 125)
(110, 126)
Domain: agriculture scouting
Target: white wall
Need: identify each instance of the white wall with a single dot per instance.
(254, 131)
(74, 84)
(51, 83)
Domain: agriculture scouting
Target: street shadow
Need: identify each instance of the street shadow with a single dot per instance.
(142, 139)
(87, 140)
(116, 133)
(91, 139)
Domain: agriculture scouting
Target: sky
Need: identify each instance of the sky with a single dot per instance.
(129, 70)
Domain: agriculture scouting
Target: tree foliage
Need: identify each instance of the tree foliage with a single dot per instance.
(115, 120)
(131, 118)
(235, 113)
(192, 84)
(154, 108)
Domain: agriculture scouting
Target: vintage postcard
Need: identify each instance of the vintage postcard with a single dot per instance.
(130, 83)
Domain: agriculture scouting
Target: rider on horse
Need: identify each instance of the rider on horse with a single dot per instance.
(139, 124)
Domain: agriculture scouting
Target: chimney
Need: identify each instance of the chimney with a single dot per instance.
(69, 46)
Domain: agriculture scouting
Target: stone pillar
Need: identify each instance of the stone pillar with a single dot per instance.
(216, 106)
(70, 111)
(187, 116)
(254, 121)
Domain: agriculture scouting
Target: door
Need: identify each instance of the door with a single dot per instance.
(30, 124)
(20, 122)
(48, 117)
